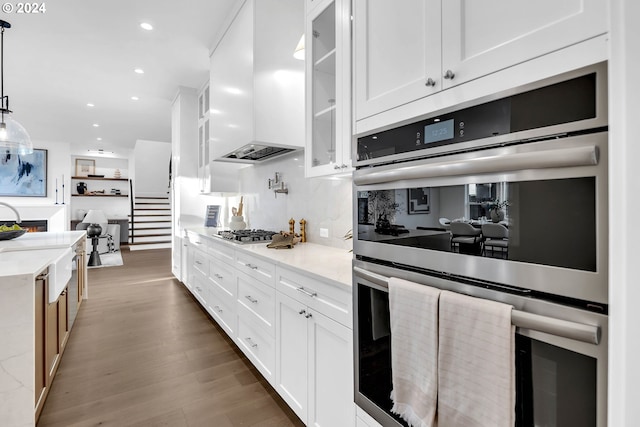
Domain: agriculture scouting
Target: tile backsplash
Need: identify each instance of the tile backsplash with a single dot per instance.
(323, 202)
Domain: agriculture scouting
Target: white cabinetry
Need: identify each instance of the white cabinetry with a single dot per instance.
(256, 312)
(257, 87)
(328, 74)
(203, 137)
(314, 354)
(407, 51)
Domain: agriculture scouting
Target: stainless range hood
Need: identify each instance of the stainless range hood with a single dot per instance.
(254, 153)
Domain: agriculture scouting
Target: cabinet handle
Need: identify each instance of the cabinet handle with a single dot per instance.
(308, 315)
(252, 300)
(199, 289)
(251, 266)
(251, 343)
(303, 311)
(217, 276)
(306, 292)
(430, 82)
(198, 262)
(449, 75)
(198, 243)
(218, 309)
(343, 166)
(336, 167)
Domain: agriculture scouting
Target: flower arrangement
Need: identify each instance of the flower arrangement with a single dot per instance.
(497, 204)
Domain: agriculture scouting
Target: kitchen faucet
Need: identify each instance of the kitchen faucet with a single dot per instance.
(14, 210)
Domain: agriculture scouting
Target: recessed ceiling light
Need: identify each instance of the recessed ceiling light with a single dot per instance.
(90, 104)
(146, 26)
(135, 98)
(95, 125)
(139, 71)
(99, 139)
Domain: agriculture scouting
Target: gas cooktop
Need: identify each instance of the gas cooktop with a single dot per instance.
(247, 236)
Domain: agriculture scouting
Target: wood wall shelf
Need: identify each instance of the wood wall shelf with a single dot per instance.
(94, 178)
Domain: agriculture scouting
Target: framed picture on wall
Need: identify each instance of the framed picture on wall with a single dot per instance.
(24, 175)
(85, 167)
(419, 200)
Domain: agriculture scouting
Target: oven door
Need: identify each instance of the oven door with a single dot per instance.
(530, 215)
(561, 352)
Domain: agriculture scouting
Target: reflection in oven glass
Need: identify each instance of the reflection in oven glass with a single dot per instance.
(549, 222)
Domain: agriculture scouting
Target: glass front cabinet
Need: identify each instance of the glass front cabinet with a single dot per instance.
(328, 87)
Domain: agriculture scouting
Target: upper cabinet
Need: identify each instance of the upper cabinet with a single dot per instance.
(328, 87)
(412, 49)
(257, 86)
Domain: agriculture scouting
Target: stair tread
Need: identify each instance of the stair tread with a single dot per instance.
(150, 243)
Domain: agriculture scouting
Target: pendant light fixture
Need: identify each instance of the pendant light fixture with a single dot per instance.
(14, 139)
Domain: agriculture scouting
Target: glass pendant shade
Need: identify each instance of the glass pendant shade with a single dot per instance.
(14, 139)
(298, 53)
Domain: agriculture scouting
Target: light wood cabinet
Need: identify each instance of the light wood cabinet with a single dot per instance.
(328, 88)
(40, 316)
(406, 51)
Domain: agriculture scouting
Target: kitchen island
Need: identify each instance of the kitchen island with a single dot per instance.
(35, 309)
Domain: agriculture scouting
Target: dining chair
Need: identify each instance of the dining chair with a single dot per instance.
(463, 233)
(496, 236)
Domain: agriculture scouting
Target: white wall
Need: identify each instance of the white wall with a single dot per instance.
(151, 163)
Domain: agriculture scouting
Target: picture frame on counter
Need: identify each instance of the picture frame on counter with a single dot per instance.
(24, 175)
(211, 219)
(85, 167)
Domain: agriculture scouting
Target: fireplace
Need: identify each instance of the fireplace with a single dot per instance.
(32, 226)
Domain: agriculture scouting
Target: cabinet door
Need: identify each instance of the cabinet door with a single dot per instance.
(63, 316)
(40, 308)
(330, 372)
(482, 37)
(291, 353)
(52, 343)
(397, 50)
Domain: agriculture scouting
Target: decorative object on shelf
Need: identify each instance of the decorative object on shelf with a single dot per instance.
(63, 189)
(303, 230)
(14, 139)
(94, 218)
(85, 167)
(81, 187)
(116, 191)
(292, 224)
(24, 175)
(117, 174)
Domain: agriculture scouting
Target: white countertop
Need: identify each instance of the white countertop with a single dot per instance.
(326, 262)
(32, 252)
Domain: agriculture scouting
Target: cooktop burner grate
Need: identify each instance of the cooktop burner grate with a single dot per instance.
(242, 236)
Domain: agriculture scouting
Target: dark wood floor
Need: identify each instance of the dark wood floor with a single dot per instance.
(143, 353)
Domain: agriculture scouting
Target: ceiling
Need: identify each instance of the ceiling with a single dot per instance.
(85, 51)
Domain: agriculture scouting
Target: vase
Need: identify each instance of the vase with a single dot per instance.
(237, 223)
(497, 215)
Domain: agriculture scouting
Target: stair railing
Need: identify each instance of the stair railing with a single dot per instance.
(132, 215)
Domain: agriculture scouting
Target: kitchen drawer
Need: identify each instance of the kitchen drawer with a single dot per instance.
(221, 251)
(195, 239)
(200, 289)
(258, 347)
(222, 275)
(263, 270)
(223, 309)
(200, 262)
(334, 301)
(256, 300)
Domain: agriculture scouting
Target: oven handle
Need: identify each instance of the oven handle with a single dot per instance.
(558, 327)
(555, 158)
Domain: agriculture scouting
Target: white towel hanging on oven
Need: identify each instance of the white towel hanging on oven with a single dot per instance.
(413, 312)
(476, 363)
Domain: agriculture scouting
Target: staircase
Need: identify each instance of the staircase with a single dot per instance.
(151, 226)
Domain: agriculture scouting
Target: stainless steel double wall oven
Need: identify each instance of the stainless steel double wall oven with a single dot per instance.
(504, 199)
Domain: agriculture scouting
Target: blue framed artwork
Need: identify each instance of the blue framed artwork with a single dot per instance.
(24, 175)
